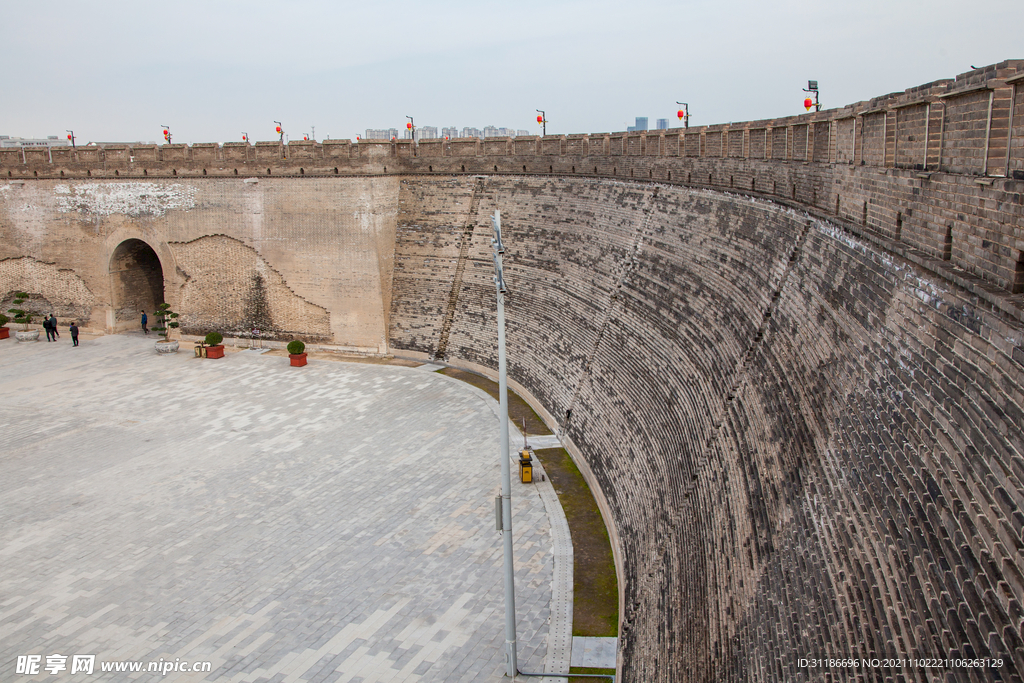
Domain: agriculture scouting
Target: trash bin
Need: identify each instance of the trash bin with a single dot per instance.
(526, 466)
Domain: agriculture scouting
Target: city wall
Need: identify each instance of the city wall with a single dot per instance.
(788, 354)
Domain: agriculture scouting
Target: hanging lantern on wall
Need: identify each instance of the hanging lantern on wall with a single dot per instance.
(540, 118)
(680, 114)
(808, 103)
(409, 125)
(69, 136)
(277, 129)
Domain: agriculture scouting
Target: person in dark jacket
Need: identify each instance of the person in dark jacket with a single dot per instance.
(48, 326)
(53, 326)
(74, 333)
(144, 321)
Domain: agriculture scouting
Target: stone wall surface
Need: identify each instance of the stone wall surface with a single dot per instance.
(788, 354)
(806, 445)
(323, 245)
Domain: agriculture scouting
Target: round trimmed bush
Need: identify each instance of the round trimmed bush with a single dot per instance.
(4, 320)
(296, 347)
(214, 338)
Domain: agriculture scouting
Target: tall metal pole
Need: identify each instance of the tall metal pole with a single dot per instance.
(512, 666)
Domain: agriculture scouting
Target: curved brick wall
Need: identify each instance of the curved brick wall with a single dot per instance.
(808, 448)
(807, 438)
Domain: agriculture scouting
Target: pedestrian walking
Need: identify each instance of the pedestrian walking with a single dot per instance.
(53, 326)
(50, 332)
(144, 321)
(74, 333)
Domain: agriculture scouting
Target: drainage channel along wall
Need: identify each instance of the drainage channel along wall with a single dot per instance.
(807, 447)
(787, 354)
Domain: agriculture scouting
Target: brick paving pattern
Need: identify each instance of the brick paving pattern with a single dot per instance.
(333, 523)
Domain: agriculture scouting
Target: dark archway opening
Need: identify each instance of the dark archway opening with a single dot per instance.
(136, 281)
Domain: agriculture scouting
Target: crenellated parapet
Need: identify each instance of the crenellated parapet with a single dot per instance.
(936, 173)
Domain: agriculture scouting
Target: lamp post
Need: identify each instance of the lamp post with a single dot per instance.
(512, 666)
(280, 131)
(543, 121)
(812, 86)
(411, 127)
(71, 137)
(245, 137)
(167, 133)
(684, 113)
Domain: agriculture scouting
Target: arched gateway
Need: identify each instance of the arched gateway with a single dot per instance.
(136, 281)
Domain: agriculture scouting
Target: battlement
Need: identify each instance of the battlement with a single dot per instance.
(934, 173)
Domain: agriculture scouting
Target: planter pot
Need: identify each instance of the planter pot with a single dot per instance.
(5, 332)
(26, 335)
(166, 346)
(215, 351)
(298, 359)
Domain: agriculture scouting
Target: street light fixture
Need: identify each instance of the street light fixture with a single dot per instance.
(411, 127)
(684, 113)
(505, 502)
(71, 136)
(812, 86)
(167, 133)
(280, 131)
(245, 137)
(543, 121)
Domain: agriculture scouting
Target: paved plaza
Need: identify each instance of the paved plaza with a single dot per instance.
(327, 523)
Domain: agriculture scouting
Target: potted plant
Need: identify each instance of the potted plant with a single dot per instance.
(24, 317)
(214, 348)
(165, 320)
(297, 353)
(5, 331)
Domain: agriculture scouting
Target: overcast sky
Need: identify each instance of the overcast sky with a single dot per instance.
(211, 69)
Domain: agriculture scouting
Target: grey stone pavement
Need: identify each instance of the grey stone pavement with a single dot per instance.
(327, 523)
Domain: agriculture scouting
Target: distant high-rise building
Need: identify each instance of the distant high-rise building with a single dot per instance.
(426, 133)
(470, 132)
(523, 132)
(380, 133)
(493, 132)
(662, 124)
(50, 141)
(450, 132)
(641, 123)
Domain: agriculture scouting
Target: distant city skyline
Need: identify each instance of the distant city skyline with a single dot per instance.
(213, 69)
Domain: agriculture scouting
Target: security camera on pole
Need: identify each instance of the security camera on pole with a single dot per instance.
(506, 474)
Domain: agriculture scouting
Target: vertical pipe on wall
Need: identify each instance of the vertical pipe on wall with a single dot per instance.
(1009, 128)
(988, 133)
(942, 136)
(927, 121)
(885, 138)
(853, 157)
(895, 136)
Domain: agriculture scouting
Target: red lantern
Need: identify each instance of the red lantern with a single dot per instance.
(69, 136)
(680, 114)
(305, 137)
(244, 138)
(278, 129)
(409, 125)
(540, 118)
(808, 103)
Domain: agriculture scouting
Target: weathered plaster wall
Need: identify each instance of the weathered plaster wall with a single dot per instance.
(323, 247)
